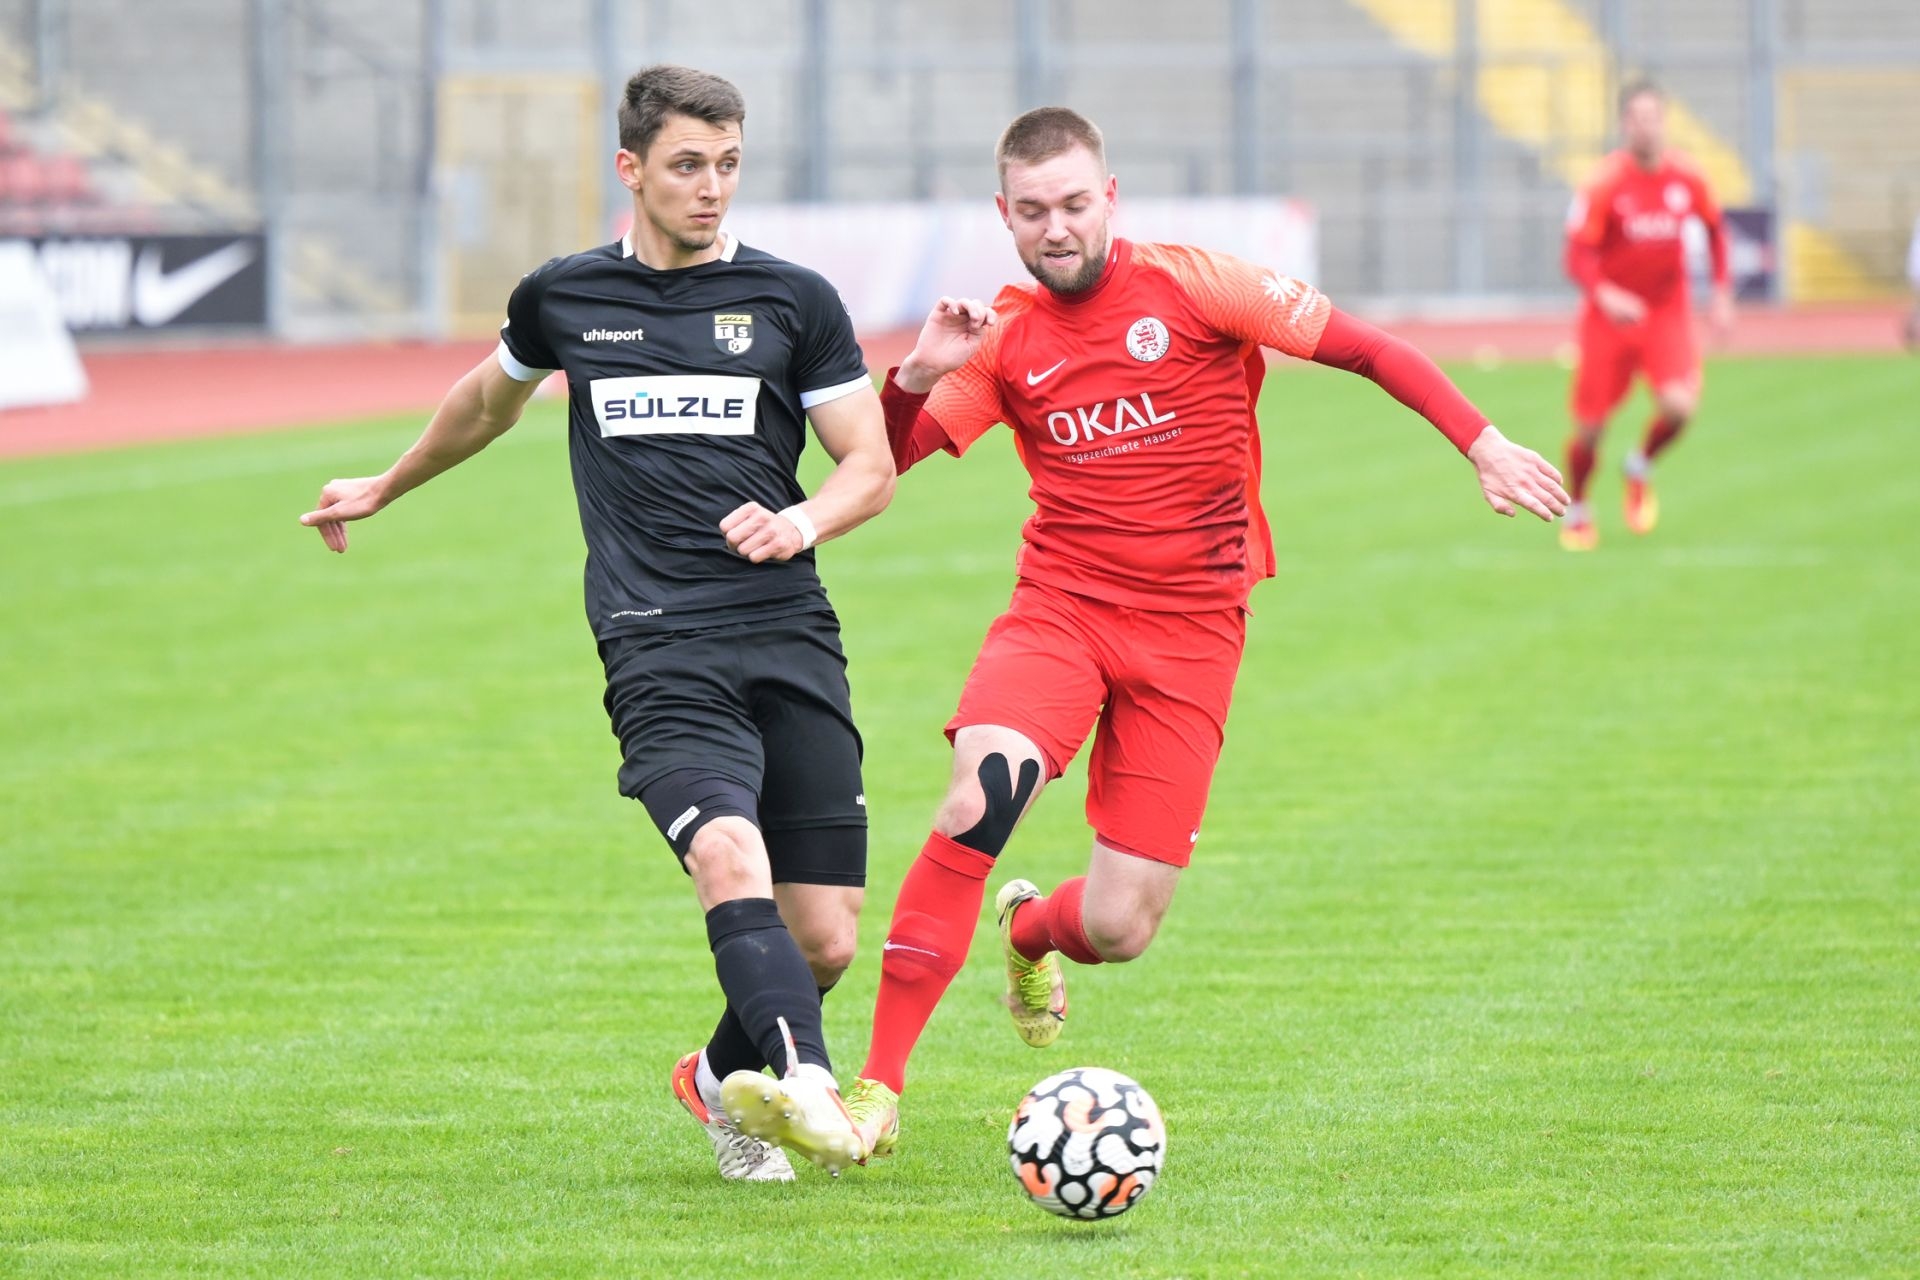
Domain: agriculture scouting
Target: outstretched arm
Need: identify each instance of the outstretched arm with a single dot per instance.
(1254, 305)
(1510, 476)
(859, 487)
(479, 409)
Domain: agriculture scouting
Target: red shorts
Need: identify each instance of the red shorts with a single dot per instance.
(1662, 347)
(1158, 684)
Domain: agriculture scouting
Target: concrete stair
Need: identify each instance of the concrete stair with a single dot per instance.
(1544, 78)
(917, 91)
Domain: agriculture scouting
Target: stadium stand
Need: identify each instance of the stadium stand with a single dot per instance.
(174, 140)
(1357, 105)
(44, 192)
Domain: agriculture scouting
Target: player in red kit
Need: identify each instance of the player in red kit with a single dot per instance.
(1624, 251)
(1129, 378)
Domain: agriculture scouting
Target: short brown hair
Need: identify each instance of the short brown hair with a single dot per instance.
(1045, 132)
(1639, 87)
(663, 90)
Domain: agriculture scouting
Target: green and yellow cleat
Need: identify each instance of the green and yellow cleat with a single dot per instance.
(876, 1114)
(1036, 989)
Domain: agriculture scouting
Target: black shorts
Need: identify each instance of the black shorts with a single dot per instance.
(753, 719)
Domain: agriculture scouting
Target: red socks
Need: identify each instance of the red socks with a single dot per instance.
(1580, 454)
(926, 944)
(1661, 432)
(932, 929)
(1055, 924)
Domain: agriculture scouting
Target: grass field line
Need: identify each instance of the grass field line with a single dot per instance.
(1483, 557)
(1464, 557)
(148, 478)
(144, 476)
(1556, 914)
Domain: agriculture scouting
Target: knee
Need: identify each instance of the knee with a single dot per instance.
(1120, 936)
(828, 955)
(981, 811)
(828, 974)
(727, 858)
(1119, 943)
(825, 923)
(961, 810)
(1676, 406)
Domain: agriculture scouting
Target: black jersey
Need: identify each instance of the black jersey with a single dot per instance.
(688, 394)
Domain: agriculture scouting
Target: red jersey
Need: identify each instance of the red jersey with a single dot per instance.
(1132, 406)
(1625, 227)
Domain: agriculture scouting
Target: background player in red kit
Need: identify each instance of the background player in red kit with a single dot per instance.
(1129, 378)
(1624, 251)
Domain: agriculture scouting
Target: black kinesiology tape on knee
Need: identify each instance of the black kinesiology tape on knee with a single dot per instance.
(1004, 803)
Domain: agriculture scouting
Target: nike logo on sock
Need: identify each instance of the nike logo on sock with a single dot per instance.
(891, 945)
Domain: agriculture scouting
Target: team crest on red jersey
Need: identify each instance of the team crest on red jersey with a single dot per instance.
(1147, 339)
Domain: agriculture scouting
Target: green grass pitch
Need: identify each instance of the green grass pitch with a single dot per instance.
(1553, 916)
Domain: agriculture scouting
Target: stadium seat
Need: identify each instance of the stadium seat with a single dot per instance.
(22, 180)
(67, 180)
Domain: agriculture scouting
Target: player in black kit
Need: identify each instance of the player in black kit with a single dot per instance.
(693, 363)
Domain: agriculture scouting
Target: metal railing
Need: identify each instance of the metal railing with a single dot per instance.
(355, 138)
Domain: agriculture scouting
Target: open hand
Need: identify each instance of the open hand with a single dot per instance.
(1513, 476)
(954, 330)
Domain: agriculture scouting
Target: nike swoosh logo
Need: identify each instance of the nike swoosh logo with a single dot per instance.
(900, 946)
(159, 296)
(1035, 379)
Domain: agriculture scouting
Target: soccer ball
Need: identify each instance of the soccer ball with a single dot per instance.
(1087, 1143)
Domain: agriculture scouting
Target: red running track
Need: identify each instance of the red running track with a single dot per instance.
(177, 393)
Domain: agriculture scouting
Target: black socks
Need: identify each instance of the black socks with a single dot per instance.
(732, 1049)
(765, 978)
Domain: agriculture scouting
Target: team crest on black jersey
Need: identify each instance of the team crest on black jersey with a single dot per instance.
(733, 332)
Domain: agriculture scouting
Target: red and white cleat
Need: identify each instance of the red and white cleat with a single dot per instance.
(741, 1156)
(801, 1112)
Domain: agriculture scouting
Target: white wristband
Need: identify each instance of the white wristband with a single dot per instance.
(797, 516)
